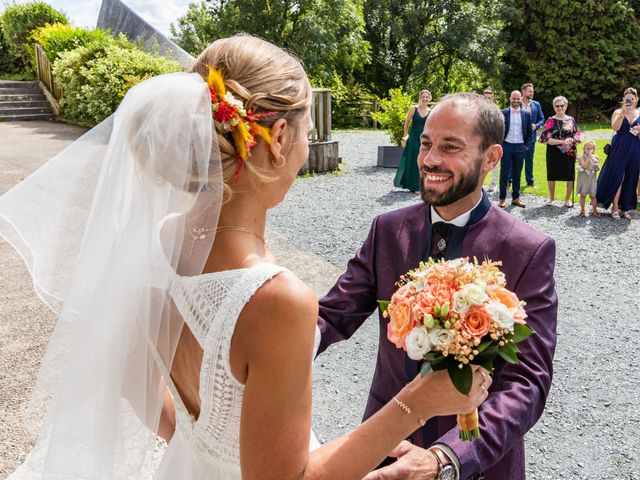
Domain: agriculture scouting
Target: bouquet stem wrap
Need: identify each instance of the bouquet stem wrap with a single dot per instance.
(468, 424)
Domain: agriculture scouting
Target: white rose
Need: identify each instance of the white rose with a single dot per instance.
(474, 294)
(500, 314)
(441, 337)
(417, 343)
(460, 303)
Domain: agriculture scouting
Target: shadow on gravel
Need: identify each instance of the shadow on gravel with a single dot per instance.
(600, 228)
(541, 212)
(397, 196)
(52, 129)
(372, 170)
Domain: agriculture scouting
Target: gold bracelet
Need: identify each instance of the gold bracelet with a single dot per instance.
(406, 409)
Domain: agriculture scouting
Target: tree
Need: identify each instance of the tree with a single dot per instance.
(582, 50)
(325, 34)
(417, 42)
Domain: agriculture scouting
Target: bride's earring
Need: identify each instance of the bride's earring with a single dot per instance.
(282, 161)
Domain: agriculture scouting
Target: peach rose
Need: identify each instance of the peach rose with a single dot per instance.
(477, 322)
(401, 322)
(509, 300)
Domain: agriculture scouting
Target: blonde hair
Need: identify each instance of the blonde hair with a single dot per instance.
(266, 79)
(590, 143)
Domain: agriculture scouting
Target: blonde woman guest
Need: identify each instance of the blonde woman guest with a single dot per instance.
(408, 176)
(618, 180)
(561, 135)
(588, 166)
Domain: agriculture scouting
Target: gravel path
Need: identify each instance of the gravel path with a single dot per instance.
(588, 430)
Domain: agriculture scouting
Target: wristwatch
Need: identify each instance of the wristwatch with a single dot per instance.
(445, 472)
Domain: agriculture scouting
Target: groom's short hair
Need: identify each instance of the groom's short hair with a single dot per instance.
(489, 124)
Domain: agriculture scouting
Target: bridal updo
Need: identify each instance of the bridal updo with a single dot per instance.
(266, 79)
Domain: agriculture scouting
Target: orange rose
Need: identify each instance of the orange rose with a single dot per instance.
(401, 322)
(509, 300)
(477, 322)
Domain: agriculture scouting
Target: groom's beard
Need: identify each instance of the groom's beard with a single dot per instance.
(464, 185)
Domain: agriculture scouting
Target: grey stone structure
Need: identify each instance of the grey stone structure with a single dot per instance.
(119, 18)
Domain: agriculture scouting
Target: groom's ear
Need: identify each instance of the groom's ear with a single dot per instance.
(279, 133)
(491, 157)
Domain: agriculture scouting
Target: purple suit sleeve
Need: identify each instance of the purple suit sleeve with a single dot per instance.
(519, 393)
(352, 299)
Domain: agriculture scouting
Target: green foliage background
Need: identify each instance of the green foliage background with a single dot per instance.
(58, 38)
(18, 21)
(96, 77)
(584, 50)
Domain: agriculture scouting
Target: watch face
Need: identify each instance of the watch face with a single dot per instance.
(448, 472)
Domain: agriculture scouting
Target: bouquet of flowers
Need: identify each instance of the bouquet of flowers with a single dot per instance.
(453, 314)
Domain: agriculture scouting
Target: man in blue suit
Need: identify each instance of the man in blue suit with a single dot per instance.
(537, 121)
(517, 129)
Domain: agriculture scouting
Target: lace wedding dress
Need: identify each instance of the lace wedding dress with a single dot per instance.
(209, 447)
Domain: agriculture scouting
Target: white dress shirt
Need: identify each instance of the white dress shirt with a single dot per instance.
(515, 127)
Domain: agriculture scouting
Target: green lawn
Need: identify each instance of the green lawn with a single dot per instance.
(540, 172)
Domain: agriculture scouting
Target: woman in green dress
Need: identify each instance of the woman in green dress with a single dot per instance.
(408, 174)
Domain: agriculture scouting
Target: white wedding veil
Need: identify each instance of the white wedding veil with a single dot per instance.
(104, 228)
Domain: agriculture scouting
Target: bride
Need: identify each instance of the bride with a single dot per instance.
(146, 237)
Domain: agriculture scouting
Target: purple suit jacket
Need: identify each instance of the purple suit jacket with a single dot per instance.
(395, 245)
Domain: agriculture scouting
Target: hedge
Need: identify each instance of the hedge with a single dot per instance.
(18, 21)
(95, 77)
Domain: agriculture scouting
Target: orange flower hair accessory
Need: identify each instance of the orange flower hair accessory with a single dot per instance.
(235, 119)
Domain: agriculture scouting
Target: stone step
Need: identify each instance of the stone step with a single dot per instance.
(20, 91)
(36, 116)
(22, 97)
(8, 112)
(17, 84)
(25, 103)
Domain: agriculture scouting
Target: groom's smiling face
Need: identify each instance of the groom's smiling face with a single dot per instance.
(450, 158)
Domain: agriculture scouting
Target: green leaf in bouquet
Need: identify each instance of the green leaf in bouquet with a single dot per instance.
(383, 305)
(483, 346)
(521, 332)
(462, 378)
(436, 360)
(425, 369)
(488, 366)
(508, 353)
(489, 354)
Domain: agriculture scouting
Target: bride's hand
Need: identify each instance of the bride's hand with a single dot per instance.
(437, 396)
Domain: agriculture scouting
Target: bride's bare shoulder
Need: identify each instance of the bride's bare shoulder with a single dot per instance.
(283, 304)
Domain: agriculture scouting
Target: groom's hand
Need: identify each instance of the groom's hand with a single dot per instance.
(414, 463)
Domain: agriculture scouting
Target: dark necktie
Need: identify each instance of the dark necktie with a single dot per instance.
(440, 237)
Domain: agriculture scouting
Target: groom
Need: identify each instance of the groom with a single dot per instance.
(459, 146)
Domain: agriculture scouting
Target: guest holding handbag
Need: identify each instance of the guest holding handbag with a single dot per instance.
(561, 135)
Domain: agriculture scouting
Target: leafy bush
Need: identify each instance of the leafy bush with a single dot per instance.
(18, 21)
(8, 62)
(57, 38)
(392, 113)
(95, 77)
